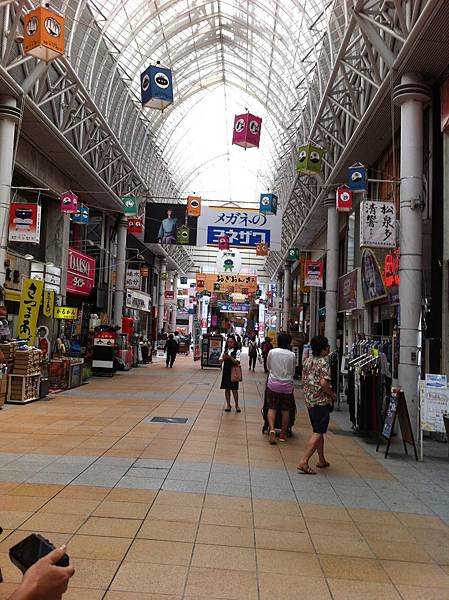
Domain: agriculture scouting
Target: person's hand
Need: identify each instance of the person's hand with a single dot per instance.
(44, 580)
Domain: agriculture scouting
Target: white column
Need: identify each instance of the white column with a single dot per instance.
(174, 311)
(161, 304)
(286, 298)
(313, 312)
(411, 94)
(119, 295)
(9, 116)
(331, 271)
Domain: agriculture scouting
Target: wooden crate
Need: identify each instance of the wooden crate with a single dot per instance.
(23, 388)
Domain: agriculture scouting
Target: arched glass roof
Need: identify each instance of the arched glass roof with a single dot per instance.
(227, 56)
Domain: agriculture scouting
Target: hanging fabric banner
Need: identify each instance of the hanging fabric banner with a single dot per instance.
(313, 273)
(29, 309)
(24, 223)
(49, 303)
(377, 224)
(130, 205)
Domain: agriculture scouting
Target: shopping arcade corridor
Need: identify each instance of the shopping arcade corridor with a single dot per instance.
(208, 509)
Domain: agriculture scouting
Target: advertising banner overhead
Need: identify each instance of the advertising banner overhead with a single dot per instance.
(80, 273)
(245, 284)
(24, 223)
(313, 273)
(244, 228)
(169, 224)
(228, 261)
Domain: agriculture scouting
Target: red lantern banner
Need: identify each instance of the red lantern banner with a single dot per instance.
(246, 131)
(344, 199)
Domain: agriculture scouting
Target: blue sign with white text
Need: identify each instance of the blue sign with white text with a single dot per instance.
(239, 236)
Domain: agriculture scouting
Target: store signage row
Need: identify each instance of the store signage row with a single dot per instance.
(377, 224)
(223, 282)
(80, 274)
(24, 223)
(138, 300)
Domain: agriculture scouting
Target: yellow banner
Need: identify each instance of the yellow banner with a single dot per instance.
(66, 312)
(49, 303)
(30, 303)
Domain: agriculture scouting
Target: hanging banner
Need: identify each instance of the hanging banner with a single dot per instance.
(347, 291)
(225, 283)
(169, 224)
(66, 312)
(313, 273)
(133, 279)
(193, 206)
(24, 223)
(81, 217)
(30, 303)
(228, 261)
(48, 304)
(244, 228)
(392, 264)
(69, 202)
(138, 300)
(80, 273)
(377, 224)
(373, 287)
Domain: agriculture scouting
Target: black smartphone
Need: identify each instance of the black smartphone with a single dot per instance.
(27, 552)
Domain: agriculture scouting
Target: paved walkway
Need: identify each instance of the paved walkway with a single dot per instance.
(207, 509)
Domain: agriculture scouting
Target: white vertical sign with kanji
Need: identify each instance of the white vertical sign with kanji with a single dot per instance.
(377, 224)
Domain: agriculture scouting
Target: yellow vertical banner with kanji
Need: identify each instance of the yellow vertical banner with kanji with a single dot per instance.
(49, 303)
(29, 309)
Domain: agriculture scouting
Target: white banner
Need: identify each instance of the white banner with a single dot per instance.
(138, 300)
(377, 224)
(244, 227)
(228, 261)
(133, 279)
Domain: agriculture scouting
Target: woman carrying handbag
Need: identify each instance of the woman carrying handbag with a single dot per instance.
(232, 373)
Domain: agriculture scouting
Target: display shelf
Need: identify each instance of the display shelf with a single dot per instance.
(23, 388)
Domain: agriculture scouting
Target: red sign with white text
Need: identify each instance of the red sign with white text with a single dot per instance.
(80, 274)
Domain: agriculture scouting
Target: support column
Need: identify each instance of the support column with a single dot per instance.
(331, 271)
(161, 304)
(286, 298)
(313, 312)
(174, 311)
(9, 116)
(411, 94)
(119, 295)
(279, 303)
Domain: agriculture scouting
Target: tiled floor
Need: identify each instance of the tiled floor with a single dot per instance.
(208, 509)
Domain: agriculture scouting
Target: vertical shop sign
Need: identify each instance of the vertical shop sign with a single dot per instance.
(49, 303)
(24, 223)
(133, 279)
(373, 287)
(80, 274)
(347, 291)
(313, 273)
(29, 309)
(377, 224)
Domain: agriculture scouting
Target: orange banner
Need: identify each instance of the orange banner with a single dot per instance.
(244, 284)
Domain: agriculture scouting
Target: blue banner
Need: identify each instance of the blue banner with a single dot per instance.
(242, 237)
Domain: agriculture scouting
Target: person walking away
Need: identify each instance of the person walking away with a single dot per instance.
(266, 347)
(319, 401)
(281, 364)
(253, 349)
(171, 349)
(229, 358)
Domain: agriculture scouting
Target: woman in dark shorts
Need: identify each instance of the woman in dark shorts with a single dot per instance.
(319, 401)
(229, 358)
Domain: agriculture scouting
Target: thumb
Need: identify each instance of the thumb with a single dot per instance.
(56, 554)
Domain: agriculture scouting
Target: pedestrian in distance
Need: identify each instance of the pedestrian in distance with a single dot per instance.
(320, 400)
(229, 358)
(171, 349)
(266, 347)
(281, 364)
(253, 350)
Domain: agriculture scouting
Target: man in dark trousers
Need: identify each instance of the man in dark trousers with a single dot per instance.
(266, 347)
(171, 348)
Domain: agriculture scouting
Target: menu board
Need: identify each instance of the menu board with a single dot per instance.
(390, 417)
(434, 403)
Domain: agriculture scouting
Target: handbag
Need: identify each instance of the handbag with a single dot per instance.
(236, 373)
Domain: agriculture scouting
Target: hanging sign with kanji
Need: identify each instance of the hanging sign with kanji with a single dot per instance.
(66, 312)
(377, 224)
(392, 264)
(48, 303)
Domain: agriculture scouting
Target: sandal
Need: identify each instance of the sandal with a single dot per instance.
(323, 466)
(272, 437)
(227, 409)
(306, 470)
(237, 409)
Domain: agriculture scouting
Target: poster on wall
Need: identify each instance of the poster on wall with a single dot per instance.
(244, 228)
(377, 224)
(169, 224)
(313, 273)
(24, 223)
(434, 403)
(373, 286)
